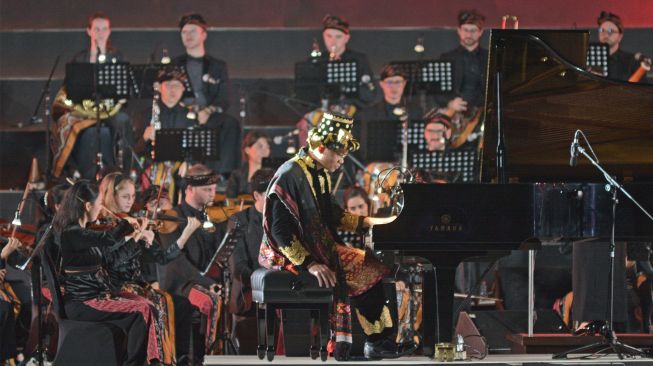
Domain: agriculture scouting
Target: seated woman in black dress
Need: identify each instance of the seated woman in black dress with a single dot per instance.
(256, 146)
(88, 295)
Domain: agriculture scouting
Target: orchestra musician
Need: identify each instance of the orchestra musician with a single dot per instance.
(173, 312)
(87, 292)
(393, 83)
(256, 147)
(469, 62)
(183, 276)
(209, 80)
(72, 136)
(621, 64)
(335, 34)
(437, 132)
(300, 222)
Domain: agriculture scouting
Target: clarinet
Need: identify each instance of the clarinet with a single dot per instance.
(155, 122)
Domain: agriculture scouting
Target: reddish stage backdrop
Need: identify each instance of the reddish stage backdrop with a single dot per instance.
(307, 13)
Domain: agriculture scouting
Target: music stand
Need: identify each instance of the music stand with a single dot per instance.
(186, 144)
(317, 80)
(598, 57)
(96, 82)
(462, 162)
(430, 76)
(381, 140)
(145, 75)
(220, 263)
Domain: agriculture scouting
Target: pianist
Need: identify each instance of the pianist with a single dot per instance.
(300, 223)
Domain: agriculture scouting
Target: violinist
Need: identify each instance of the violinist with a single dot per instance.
(125, 272)
(183, 275)
(88, 295)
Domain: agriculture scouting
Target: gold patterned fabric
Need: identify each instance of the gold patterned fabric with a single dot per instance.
(362, 270)
(379, 325)
(295, 252)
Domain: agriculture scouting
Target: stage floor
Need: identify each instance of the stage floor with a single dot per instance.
(512, 360)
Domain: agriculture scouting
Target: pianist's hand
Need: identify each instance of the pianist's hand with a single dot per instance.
(371, 221)
(325, 276)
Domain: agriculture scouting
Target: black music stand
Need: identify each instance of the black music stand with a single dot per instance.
(220, 263)
(381, 140)
(460, 166)
(598, 58)
(331, 80)
(186, 144)
(98, 81)
(430, 76)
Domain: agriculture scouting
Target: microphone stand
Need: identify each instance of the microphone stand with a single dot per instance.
(610, 340)
(36, 291)
(98, 127)
(45, 99)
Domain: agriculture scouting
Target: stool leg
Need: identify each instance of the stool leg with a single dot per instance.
(270, 320)
(315, 328)
(324, 330)
(260, 327)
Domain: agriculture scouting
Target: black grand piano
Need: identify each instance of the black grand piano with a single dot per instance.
(545, 95)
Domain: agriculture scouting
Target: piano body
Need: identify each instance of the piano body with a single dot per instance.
(545, 96)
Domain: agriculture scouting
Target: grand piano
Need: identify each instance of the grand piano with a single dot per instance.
(544, 94)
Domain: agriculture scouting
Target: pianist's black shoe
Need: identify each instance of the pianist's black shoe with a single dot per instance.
(386, 348)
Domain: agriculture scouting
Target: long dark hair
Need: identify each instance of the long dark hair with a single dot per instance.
(72, 207)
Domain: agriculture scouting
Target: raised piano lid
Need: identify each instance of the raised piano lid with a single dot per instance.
(547, 95)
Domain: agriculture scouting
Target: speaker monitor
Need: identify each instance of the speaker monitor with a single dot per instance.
(494, 326)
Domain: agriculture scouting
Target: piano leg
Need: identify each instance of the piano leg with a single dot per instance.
(438, 297)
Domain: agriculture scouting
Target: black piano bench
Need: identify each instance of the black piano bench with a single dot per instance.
(274, 290)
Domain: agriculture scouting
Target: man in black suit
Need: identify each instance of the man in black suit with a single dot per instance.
(210, 83)
(469, 63)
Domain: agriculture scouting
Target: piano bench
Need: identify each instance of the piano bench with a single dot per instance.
(274, 290)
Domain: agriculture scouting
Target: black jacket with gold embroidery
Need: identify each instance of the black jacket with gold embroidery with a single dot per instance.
(301, 219)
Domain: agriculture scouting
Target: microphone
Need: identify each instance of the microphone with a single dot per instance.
(100, 56)
(419, 46)
(279, 139)
(208, 79)
(367, 81)
(573, 150)
(165, 58)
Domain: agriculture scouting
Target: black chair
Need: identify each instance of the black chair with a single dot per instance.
(83, 343)
(273, 290)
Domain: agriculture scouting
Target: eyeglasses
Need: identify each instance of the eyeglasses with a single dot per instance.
(609, 31)
(394, 82)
